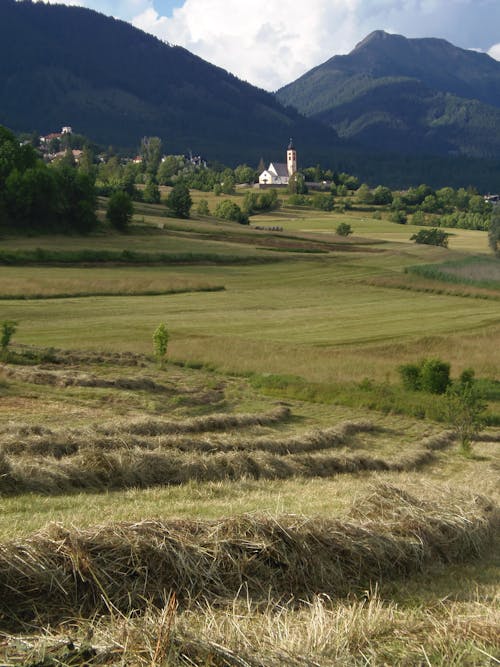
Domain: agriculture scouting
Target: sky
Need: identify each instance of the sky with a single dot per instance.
(270, 42)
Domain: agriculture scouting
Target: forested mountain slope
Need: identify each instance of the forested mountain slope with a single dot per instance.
(71, 66)
(406, 95)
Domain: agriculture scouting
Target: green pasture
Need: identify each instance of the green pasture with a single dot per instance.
(320, 319)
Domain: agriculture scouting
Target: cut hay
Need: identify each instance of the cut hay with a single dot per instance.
(38, 375)
(46, 442)
(94, 469)
(213, 422)
(59, 573)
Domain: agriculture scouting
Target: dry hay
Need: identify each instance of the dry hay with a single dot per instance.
(320, 633)
(47, 442)
(60, 573)
(79, 357)
(213, 422)
(94, 469)
(39, 375)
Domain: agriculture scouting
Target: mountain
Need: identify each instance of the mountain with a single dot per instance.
(411, 96)
(72, 66)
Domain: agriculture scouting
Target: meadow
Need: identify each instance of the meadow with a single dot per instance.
(272, 496)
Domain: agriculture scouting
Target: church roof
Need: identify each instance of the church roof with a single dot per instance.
(280, 168)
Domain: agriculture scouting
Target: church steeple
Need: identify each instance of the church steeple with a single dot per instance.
(291, 159)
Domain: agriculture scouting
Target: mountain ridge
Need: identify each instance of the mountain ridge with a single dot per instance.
(446, 99)
(116, 84)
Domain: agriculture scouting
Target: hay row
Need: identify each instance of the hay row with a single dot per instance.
(38, 375)
(149, 427)
(213, 422)
(44, 442)
(60, 573)
(96, 470)
(60, 356)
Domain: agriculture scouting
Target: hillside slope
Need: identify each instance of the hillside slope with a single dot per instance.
(406, 95)
(116, 84)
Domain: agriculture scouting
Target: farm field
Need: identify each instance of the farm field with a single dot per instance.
(272, 496)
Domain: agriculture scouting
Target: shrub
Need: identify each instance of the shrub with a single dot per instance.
(323, 202)
(344, 229)
(432, 236)
(202, 208)
(8, 330)
(435, 376)
(464, 411)
(410, 376)
(398, 217)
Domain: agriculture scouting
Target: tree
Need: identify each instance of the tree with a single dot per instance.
(244, 174)
(120, 210)
(150, 152)
(464, 411)
(297, 184)
(494, 231)
(431, 237)
(9, 328)
(160, 343)
(151, 192)
(344, 229)
(227, 182)
(382, 195)
(202, 208)
(179, 201)
(364, 194)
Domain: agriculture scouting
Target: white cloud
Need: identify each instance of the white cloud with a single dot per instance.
(270, 43)
(494, 51)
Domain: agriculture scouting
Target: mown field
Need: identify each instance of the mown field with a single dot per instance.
(273, 496)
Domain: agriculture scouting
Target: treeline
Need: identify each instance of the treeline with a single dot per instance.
(35, 197)
(446, 207)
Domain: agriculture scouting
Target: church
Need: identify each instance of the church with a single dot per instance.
(278, 173)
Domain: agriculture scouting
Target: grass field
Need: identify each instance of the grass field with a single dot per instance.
(249, 504)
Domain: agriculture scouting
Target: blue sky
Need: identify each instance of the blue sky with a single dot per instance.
(270, 42)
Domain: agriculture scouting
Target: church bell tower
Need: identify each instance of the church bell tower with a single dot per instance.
(291, 159)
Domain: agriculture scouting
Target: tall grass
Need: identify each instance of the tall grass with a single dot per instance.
(42, 256)
(478, 271)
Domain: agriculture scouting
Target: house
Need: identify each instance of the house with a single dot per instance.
(278, 173)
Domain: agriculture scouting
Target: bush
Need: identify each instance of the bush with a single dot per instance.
(435, 376)
(464, 411)
(429, 375)
(323, 202)
(410, 376)
(432, 236)
(202, 208)
(8, 330)
(398, 217)
(344, 229)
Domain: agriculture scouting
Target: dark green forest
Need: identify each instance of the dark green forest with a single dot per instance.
(35, 197)
(116, 84)
(410, 96)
